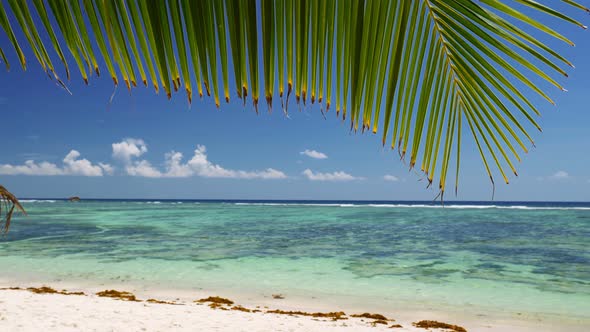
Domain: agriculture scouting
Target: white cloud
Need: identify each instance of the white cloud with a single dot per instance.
(314, 154)
(391, 178)
(175, 167)
(129, 148)
(559, 175)
(334, 176)
(31, 168)
(198, 165)
(143, 168)
(107, 168)
(75, 166)
(71, 166)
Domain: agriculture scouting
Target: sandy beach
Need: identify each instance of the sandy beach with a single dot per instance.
(36, 309)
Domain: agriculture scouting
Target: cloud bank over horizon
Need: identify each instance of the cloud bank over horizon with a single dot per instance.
(71, 166)
(127, 152)
(128, 156)
(199, 165)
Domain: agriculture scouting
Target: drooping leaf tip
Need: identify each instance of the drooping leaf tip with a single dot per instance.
(255, 103)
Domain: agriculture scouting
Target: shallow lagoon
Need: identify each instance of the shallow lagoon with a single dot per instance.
(507, 257)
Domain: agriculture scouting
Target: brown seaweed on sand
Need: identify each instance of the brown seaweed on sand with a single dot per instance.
(125, 296)
(395, 326)
(161, 302)
(278, 296)
(217, 306)
(371, 316)
(379, 321)
(432, 324)
(240, 308)
(49, 290)
(332, 315)
(216, 300)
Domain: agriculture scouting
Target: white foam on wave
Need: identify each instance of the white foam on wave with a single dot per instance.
(37, 201)
(426, 206)
(302, 204)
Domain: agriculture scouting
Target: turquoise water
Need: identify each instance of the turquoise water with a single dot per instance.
(512, 257)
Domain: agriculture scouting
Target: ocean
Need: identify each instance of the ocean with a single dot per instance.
(510, 257)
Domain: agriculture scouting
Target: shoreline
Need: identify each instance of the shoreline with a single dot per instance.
(31, 308)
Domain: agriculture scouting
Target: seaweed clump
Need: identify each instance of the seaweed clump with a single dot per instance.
(49, 290)
(160, 302)
(216, 299)
(125, 296)
(379, 321)
(240, 308)
(371, 316)
(339, 315)
(395, 326)
(432, 324)
(216, 302)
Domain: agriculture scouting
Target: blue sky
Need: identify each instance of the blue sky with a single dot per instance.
(236, 154)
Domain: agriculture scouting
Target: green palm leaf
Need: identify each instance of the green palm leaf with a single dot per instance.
(421, 72)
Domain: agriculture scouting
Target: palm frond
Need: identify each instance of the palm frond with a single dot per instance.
(421, 72)
(8, 203)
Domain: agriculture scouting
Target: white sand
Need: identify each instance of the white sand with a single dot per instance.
(21, 310)
(25, 311)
